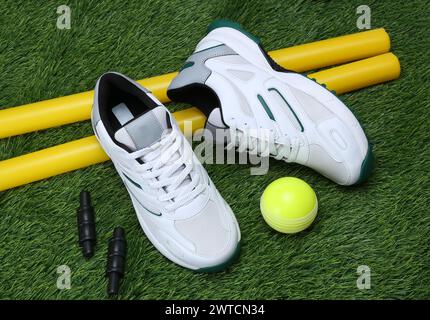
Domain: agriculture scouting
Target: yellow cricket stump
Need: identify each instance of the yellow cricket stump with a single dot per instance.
(76, 107)
(87, 151)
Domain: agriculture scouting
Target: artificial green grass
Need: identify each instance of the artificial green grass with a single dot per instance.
(384, 223)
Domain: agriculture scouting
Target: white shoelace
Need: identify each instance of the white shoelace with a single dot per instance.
(263, 142)
(176, 180)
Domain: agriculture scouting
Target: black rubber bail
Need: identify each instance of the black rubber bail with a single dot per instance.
(115, 268)
(86, 225)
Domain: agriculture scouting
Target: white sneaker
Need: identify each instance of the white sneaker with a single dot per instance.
(239, 87)
(178, 206)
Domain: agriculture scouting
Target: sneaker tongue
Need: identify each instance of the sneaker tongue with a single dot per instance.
(144, 130)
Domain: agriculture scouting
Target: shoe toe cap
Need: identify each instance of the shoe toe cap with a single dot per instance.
(213, 233)
(349, 170)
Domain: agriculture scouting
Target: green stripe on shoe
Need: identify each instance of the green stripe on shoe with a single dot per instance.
(132, 181)
(291, 109)
(266, 107)
(367, 165)
(187, 65)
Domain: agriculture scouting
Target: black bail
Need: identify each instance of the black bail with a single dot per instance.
(86, 225)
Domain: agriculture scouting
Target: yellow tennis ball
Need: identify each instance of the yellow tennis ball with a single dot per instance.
(289, 205)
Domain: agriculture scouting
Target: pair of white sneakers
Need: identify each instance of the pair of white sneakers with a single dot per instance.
(243, 92)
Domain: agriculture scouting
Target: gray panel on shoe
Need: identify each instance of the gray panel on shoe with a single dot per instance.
(198, 72)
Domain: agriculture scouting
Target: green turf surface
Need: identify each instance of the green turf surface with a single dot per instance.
(384, 224)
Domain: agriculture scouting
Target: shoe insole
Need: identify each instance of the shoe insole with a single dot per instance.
(122, 113)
